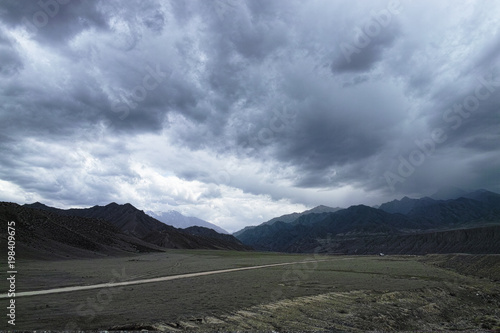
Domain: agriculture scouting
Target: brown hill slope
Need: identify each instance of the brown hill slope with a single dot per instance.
(136, 224)
(127, 218)
(204, 238)
(45, 235)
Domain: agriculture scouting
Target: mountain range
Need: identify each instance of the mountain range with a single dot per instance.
(52, 233)
(469, 223)
(291, 217)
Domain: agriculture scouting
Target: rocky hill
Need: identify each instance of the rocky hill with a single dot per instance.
(127, 218)
(96, 229)
(44, 234)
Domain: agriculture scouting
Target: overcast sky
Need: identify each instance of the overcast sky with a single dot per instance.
(239, 111)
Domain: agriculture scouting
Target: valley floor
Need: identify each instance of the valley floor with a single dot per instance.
(342, 293)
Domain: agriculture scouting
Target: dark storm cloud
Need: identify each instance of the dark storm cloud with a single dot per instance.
(330, 127)
(335, 135)
(10, 60)
(40, 112)
(465, 113)
(135, 107)
(317, 95)
(363, 59)
(82, 101)
(53, 21)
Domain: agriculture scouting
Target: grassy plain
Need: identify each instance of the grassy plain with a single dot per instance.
(344, 293)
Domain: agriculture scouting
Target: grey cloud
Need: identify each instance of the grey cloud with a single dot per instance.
(355, 57)
(211, 193)
(467, 116)
(41, 112)
(10, 62)
(55, 172)
(491, 53)
(51, 21)
(264, 80)
(154, 19)
(259, 39)
(10, 59)
(182, 10)
(328, 130)
(194, 175)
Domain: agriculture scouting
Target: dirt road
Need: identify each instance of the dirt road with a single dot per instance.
(158, 279)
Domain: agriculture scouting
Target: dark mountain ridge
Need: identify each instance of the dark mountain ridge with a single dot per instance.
(127, 218)
(133, 222)
(367, 230)
(288, 218)
(43, 234)
(405, 205)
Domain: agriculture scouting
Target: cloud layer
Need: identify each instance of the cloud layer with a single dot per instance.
(239, 111)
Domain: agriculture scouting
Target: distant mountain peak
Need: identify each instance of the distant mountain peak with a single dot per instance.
(173, 212)
(320, 209)
(358, 207)
(405, 205)
(39, 204)
(413, 226)
(290, 218)
(178, 220)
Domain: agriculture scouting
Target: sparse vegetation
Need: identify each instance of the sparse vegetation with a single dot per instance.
(344, 293)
